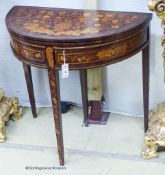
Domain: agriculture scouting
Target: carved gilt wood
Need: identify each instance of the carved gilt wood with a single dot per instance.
(8, 109)
(155, 136)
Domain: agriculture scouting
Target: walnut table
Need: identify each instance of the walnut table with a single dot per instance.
(89, 38)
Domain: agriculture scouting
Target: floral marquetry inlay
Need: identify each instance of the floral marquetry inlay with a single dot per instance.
(68, 23)
(27, 52)
(112, 52)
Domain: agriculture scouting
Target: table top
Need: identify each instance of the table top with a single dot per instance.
(71, 25)
(90, 38)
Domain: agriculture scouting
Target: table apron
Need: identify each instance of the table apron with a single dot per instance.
(81, 57)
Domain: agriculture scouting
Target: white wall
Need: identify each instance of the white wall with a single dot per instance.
(122, 81)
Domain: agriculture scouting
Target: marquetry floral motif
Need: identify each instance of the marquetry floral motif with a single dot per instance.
(27, 52)
(59, 22)
(50, 57)
(78, 58)
(112, 52)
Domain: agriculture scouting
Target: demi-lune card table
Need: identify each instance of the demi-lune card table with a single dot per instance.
(89, 38)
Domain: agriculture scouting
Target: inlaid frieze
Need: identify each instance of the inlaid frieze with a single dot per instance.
(102, 53)
(26, 51)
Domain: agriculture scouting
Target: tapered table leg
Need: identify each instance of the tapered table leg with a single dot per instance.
(146, 70)
(84, 94)
(56, 104)
(29, 83)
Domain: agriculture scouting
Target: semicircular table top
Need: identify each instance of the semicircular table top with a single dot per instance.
(70, 24)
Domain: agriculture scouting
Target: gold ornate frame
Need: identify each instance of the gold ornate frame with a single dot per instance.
(155, 136)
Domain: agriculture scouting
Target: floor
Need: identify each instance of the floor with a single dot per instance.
(113, 149)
